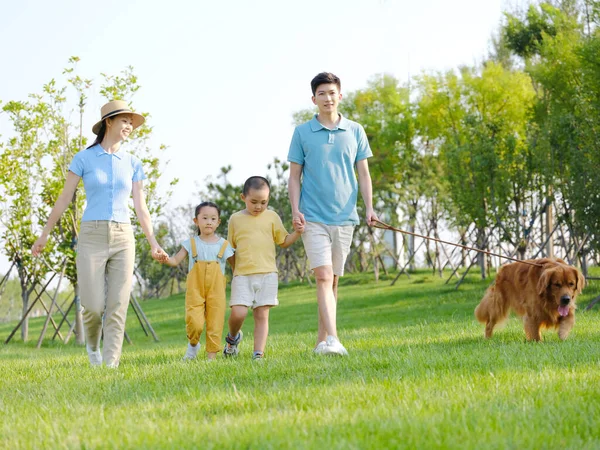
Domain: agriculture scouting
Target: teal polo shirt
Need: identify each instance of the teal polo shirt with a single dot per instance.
(328, 158)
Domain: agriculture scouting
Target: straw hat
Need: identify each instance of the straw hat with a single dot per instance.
(118, 107)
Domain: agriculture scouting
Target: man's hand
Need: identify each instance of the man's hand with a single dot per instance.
(298, 226)
(298, 218)
(371, 217)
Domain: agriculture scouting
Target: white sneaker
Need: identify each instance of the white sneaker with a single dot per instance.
(318, 350)
(334, 347)
(95, 356)
(191, 352)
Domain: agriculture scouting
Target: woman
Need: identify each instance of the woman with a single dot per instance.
(106, 247)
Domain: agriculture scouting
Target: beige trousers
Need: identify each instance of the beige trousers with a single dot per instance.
(105, 261)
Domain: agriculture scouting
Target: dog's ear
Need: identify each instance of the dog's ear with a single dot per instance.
(543, 281)
(580, 283)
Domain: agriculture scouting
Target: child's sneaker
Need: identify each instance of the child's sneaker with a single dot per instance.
(95, 356)
(318, 350)
(258, 356)
(191, 352)
(334, 347)
(231, 349)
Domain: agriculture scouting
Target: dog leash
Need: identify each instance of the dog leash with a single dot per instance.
(384, 226)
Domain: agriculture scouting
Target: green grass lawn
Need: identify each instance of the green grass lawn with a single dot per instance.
(419, 375)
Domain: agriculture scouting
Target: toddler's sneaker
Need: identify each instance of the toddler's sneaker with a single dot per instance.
(318, 350)
(334, 347)
(95, 356)
(191, 352)
(231, 349)
(258, 356)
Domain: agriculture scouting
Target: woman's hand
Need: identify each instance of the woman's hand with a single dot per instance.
(38, 245)
(159, 254)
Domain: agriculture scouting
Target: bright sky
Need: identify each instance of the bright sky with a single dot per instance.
(221, 79)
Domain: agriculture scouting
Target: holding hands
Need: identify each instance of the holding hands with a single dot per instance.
(159, 254)
(298, 222)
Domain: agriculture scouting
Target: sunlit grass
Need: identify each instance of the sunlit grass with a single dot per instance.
(419, 375)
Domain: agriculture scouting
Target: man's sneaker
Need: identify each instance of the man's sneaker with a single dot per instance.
(95, 356)
(231, 349)
(334, 347)
(318, 350)
(191, 352)
(258, 356)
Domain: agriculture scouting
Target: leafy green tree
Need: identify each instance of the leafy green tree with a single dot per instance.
(479, 120)
(563, 66)
(20, 170)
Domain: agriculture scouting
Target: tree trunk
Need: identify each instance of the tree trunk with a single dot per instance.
(412, 220)
(25, 325)
(439, 259)
(549, 227)
(463, 252)
(376, 268)
(584, 264)
(481, 256)
(396, 250)
(286, 276)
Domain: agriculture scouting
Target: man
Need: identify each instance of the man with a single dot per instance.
(323, 190)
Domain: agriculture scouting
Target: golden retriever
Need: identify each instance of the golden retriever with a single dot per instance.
(544, 296)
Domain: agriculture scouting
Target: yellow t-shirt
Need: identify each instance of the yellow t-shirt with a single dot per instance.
(253, 238)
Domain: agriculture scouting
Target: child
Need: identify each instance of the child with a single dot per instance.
(205, 293)
(252, 233)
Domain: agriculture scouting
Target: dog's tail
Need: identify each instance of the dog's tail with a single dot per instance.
(487, 305)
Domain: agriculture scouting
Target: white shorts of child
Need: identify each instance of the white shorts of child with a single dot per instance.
(254, 290)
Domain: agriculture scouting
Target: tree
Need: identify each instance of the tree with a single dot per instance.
(20, 170)
(563, 66)
(479, 120)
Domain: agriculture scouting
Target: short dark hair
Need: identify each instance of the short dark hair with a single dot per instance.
(325, 78)
(255, 182)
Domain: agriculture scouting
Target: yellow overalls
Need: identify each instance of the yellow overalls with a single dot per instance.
(205, 300)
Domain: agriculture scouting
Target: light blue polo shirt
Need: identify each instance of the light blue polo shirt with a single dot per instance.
(329, 185)
(108, 180)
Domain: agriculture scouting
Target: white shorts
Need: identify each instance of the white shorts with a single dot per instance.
(327, 245)
(254, 290)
